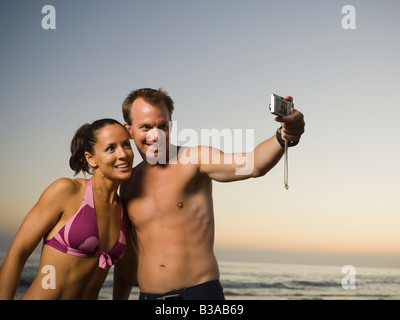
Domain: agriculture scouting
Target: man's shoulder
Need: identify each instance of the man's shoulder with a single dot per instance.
(127, 185)
(190, 155)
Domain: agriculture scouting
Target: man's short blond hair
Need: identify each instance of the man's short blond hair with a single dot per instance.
(152, 96)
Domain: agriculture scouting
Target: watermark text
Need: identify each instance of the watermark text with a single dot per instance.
(49, 20)
(349, 20)
(189, 140)
(349, 280)
(49, 280)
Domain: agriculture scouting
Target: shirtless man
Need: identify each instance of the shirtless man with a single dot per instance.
(170, 203)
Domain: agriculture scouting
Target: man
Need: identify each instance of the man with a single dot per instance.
(169, 201)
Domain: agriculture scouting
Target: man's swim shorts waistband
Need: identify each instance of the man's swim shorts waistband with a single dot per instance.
(211, 290)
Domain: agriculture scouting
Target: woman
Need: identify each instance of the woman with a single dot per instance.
(82, 239)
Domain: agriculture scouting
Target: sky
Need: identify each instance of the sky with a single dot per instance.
(220, 61)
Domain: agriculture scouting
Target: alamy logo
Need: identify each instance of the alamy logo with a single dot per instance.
(49, 20)
(49, 280)
(349, 280)
(158, 152)
(349, 20)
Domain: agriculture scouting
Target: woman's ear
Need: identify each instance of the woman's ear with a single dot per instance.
(90, 160)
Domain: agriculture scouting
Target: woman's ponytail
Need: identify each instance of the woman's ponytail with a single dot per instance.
(78, 162)
(84, 141)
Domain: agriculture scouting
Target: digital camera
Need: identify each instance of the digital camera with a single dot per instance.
(279, 106)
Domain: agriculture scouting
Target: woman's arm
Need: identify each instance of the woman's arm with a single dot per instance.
(40, 219)
(125, 270)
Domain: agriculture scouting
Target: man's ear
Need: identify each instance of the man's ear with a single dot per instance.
(90, 160)
(129, 129)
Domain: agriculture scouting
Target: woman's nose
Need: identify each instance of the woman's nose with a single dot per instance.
(122, 154)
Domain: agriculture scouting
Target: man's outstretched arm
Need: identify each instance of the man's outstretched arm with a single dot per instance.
(240, 166)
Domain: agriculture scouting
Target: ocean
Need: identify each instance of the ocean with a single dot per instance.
(270, 281)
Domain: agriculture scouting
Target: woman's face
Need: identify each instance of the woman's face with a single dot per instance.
(113, 155)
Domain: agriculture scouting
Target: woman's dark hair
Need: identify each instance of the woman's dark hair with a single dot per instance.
(84, 141)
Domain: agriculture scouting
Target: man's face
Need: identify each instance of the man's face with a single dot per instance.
(149, 129)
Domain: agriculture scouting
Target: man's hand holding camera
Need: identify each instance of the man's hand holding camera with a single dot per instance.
(292, 124)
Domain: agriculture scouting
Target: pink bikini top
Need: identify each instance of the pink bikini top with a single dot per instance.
(80, 235)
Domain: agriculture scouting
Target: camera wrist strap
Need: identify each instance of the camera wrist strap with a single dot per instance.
(286, 166)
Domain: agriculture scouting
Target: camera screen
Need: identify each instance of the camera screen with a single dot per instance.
(281, 106)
